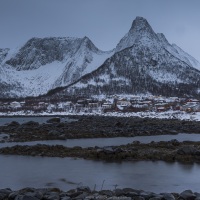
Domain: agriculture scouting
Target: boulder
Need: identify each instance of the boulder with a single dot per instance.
(117, 198)
(108, 150)
(81, 196)
(197, 194)
(53, 132)
(14, 123)
(84, 189)
(12, 195)
(54, 120)
(73, 193)
(147, 195)
(187, 150)
(175, 142)
(108, 193)
(31, 123)
(128, 190)
(155, 198)
(26, 197)
(168, 196)
(118, 124)
(65, 198)
(119, 192)
(139, 198)
(3, 196)
(187, 195)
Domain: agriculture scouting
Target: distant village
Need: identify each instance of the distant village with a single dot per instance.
(102, 105)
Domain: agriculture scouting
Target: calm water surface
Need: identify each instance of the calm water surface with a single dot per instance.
(66, 173)
(21, 171)
(101, 142)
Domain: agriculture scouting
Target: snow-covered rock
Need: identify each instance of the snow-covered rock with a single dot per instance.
(140, 34)
(144, 62)
(43, 64)
(178, 52)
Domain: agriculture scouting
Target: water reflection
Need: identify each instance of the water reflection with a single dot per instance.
(187, 167)
(17, 172)
(92, 142)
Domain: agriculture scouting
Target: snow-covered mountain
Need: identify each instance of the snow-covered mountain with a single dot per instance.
(140, 33)
(144, 62)
(178, 52)
(44, 64)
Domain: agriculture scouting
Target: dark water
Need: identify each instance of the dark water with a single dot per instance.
(18, 172)
(101, 142)
(66, 173)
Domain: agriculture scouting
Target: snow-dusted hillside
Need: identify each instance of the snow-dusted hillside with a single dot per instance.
(44, 64)
(186, 57)
(144, 62)
(178, 52)
(140, 33)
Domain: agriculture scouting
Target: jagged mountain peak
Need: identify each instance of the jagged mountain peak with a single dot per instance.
(45, 63)
(41, 51)
(140, 33)
(138, 70)
(86, 39)
(140, 24)
(143, 61)
(88, 44)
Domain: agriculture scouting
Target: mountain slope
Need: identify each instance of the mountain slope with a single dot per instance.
(178, 52)
(128, 73)
(144, 62)
(44, 64)
(140, 33)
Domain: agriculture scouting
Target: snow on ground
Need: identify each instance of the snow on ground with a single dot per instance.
(40, 80)
(182, 55)
(165, 77)
(97, 61)
(181, 115)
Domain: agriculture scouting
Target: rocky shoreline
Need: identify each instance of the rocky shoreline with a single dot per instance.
(171, 151)
(105, 127)
(95, 127)
(85, 193)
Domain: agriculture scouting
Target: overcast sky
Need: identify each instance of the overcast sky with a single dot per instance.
(105, 22)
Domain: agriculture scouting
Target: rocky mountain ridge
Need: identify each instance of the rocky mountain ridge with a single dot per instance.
(46, 63)
(143, 62)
